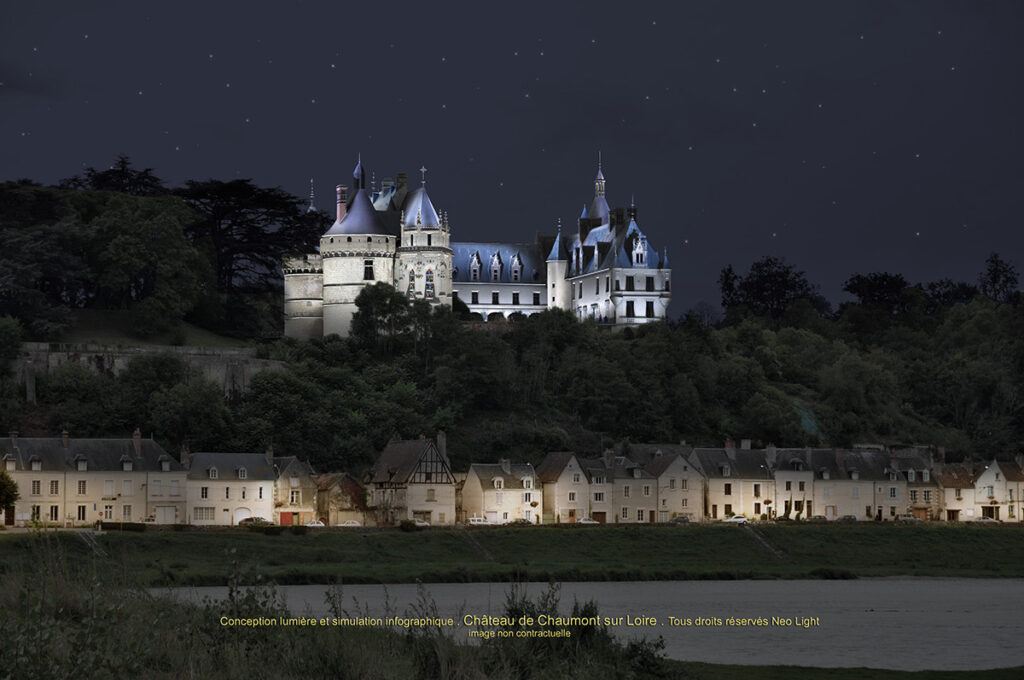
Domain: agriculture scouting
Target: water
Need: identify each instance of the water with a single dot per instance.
(894, 623)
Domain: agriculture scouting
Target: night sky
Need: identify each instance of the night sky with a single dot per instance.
(845, 136)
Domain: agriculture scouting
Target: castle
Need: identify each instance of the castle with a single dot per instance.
(605, 270)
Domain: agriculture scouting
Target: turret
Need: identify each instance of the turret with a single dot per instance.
(559, 292)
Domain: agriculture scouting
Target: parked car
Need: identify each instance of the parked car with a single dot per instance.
(520, 522)
(479, 522)
(315, 523)
(907, 518)
(818, 519)
(350, 523)
(255, 522)
(682, 519)
(987, 520)
(420, 522)
(587, 520)
(736, 519)
(848, 518)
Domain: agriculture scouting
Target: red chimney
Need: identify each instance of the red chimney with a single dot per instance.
(137, 439)
(342, 191)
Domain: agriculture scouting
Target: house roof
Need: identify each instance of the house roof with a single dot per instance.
(1011, 472)
(534, 262)
(656, 458)
(550, 469)
(99, 454)
(398, 460)
(228, 464)
(513, 479)
(956, 476)
(744, 463)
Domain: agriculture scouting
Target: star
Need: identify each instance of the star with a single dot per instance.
(86, 36)
(333, 66)
(140, 92)
(444, 58)
(917, 233)
(211, 56)
(312, 101)
(227, 85)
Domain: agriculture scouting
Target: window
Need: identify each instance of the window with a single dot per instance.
(202, 514)
(126, 466)
(367, 270)
(35, 512)
(108, 512)
(855, 492)
(789, 486)
(54, 487)
(108, 487)
(629, 309)
(259, 492)
(672, 483)
(913, 495)
(650, 284)
(499, 498)
(243, 493)
(243, 473)
(474, 298)
(527, 483)
(989, 491)
(536, 298)
(499, 483)
(598, 479)
(82, 466)
(640, 515)
(527, 497)
(54, 513)
(617, 285)
(515, 298)
(81, 487)
(625, 513)
(928, 496)
(174, 487)
(728, 509)
(296, 496)
(925, 475)
(607, 280)
(757, 491)
(684, 502)
(572, 496)
(204, 492)
(126, 513)
(802, 486)
(649, 309)
(494, 298)
(227, 492)
(81, 513)
(597, 286)
(431, 495)
(213, 473)
(428, 286)
(126, 488)
(599, 496)
(910, 475)
(165, 466)
(36, 487)
(625, 491)
(411, 291)
(629, 283)
(728, 489)
(430, 240)
(826, 492)
(892, 492)
(647, 490)
(575, 478)
(37, 465)
(667, 287)
(682, 484)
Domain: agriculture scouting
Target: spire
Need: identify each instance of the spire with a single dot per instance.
(311, 208)
(599, 180)
(359, 175)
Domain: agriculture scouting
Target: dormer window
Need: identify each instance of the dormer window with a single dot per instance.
(517, 268)
(725, 471)
(499, 483)
(527, 483)
(910, 475)
(126, 466)
(165, 466)
(474, 267)
(10, 465)
(213, 473)
(925, 476)
(892, 476)
(243, 473)
(854, 475)
(636, 473)
(796, 465)
(495, 267)
(81, 466)
(37, 465)
(824, 474)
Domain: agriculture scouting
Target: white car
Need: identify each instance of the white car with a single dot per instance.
(350, 523)
(479, 522)
(421, 522)
(315, 523)
(989, 520)
(587, 520)
(736, 519)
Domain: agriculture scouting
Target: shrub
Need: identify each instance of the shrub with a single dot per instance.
(122, 526)
(300, 530)
(408, 525)
(273, 531)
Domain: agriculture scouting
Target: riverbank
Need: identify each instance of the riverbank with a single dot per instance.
(593, 553)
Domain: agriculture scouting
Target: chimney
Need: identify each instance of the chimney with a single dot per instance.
(506, 465)
(442, 443)
(403, 181)
(64, 439)
(730, 443)
(342, 192)
(137, 440)
(608, 457)
(269, 453)
(386, 184)
(770, 454)
(186, 456)
(745, 444)
(13, 434)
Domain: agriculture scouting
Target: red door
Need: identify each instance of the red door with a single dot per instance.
(286, 519)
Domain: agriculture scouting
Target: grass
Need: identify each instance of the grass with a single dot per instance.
(610, 553)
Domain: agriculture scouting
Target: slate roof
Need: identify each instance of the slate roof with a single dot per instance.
(1011, 472)
(534, 261)
(361, 218)
(552, 466)
(513, 479)
(619, 467)
(99, 454)
(282, 463)
(398, 461)
(956, 476)
(256, 466)
(655, 458)
(418, 203)
(743, 463)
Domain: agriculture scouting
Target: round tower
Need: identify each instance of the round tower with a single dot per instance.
(424, 265)
(559, 293)
(358, 250)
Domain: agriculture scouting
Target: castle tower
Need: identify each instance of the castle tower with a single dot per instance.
(358, 250)
(559, 292)
(304, 289)
(424, 264)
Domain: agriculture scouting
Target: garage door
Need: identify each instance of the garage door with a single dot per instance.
(242, 513)
(165, 514)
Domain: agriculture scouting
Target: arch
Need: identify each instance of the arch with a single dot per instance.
(240, 514)
(495, 316)
(476, 316)
(428, 285)
(516, 316)
(349, 239)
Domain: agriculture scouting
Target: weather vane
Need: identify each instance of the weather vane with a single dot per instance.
(423, 175)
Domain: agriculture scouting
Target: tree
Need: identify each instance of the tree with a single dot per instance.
(382, 317)
(999, 280)
(192, 412)
(10, 344)
(946, 293)
(9, 494)
(120, 177)
(768, 289)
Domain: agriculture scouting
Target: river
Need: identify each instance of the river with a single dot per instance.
(893, 623)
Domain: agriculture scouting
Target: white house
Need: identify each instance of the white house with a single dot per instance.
(503, 492)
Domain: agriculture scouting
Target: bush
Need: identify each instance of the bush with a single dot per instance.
(273, 531)
(122, 526)
(300, 530)
(179, 527)
(408, 525)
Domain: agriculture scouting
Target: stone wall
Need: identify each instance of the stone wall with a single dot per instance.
(232, 368)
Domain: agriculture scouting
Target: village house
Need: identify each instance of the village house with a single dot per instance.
(225, 488)
(502, 492)
(73, 482)
(340, 498)
(737, 481)
(996, 492)
(956, 484)
(295, 491)
(679, 485)
(622, 492)
(794, 482)
(413, 479)
(565, 489)
(924, 500)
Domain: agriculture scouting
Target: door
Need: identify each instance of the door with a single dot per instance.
(598, 517)
(9, 516)
(572, 517)
(491, 516)
(920, 513)
(242, 513)
(952, 515)
(286, 519)
(165, 514)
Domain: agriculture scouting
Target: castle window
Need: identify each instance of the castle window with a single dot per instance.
(650, 310)
(618, 285)
(536, 298)
(412, 284)
(606, 280)
(367, 270)
(428, 290)
(650, 283)
(517, 267)
(349, 240)
(629, 283)
(667, 286)
(474, 298)
(474, 267)
(369, 239)
(495, 267)
(629, 309)
(515, 298)
(597, 286)
(494, 298)
(429, 239)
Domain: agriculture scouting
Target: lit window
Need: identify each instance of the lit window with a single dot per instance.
(213, 473)
(243, 473)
